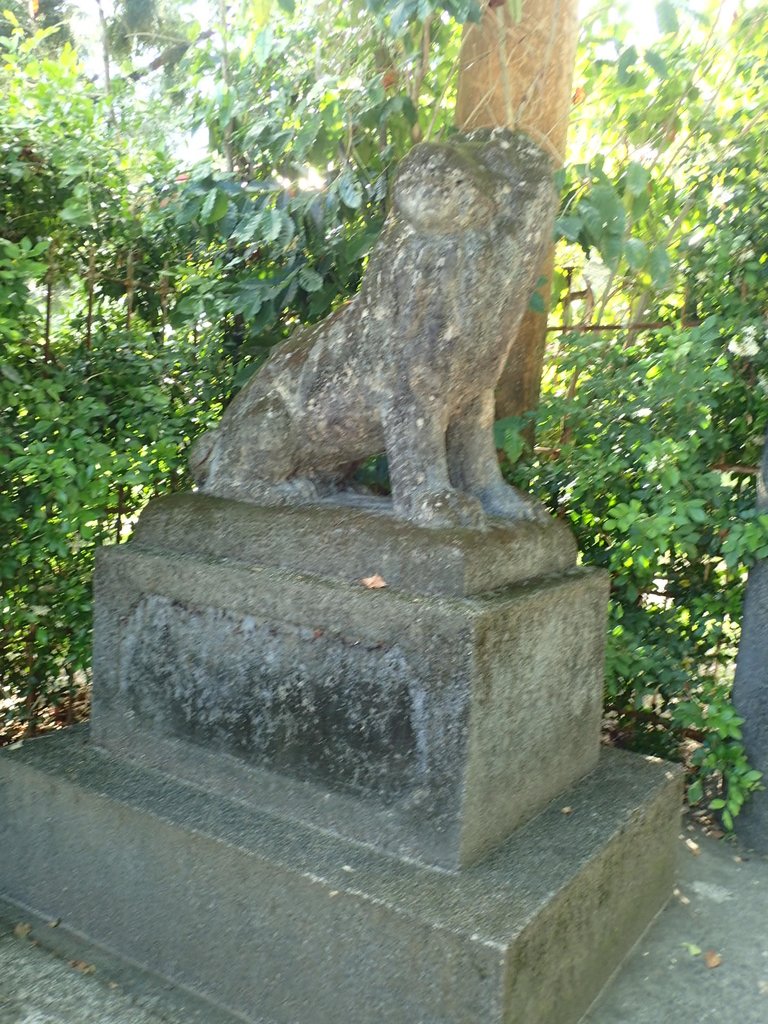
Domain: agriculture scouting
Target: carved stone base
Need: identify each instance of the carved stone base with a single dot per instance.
(427, 725)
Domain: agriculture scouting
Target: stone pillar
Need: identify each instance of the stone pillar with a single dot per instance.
(750, 688)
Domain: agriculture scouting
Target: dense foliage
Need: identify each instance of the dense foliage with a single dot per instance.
(174, 206)
(655, 410)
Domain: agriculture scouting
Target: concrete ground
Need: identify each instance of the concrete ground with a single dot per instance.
(704, 959)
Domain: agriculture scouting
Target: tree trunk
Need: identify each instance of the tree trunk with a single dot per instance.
(518, 74)
(750, 688)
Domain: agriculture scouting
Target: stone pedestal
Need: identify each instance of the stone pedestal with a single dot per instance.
(312, 799)
(419, 721)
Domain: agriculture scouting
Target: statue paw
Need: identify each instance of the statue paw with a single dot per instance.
(510, 503)
(446, 509)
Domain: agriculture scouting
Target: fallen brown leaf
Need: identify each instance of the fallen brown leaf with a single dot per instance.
(693, 847)
(712, 959)
(22, 930)
(566, 810)
(375, 582)
(82, 966)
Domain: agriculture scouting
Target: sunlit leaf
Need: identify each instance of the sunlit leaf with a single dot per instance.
(666, 17)
(660, 267)
(657, 62)
(260, 11)
(350, 190)
(626, 60)
(637, 178)
(636, 252)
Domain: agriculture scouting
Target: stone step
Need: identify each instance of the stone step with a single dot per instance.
(270, 919)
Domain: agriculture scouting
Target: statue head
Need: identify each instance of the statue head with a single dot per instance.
(438, 190)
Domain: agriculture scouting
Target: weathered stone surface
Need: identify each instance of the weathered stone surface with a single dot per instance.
(750, 687)
(431, 715)
(274, 920)
(410, 365)
(352, 542)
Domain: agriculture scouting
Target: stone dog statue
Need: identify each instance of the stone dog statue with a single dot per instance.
(410, 364)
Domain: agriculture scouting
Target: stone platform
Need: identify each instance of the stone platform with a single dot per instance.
(270, 918)
(317, 801)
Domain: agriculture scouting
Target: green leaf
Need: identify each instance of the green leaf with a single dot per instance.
(287, 230)
(611, 248)
(214, 207)
(273, 224)
(508, 437)
(289, 6)
(536, 303)
(310, 280)
(659, 267)
(637, 178)
(636, 252)
(262, 47)
(626, 60)
(362, 244)
(657, 62)
(695, 792)
(640, 204)
(569, 227)
(602, 212)
(350, 190)
(666, 17)
(248, 229)
(76, 214)
(467, 11)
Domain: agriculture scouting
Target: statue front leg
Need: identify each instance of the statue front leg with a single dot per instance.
(418, 470)
(474, 465)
